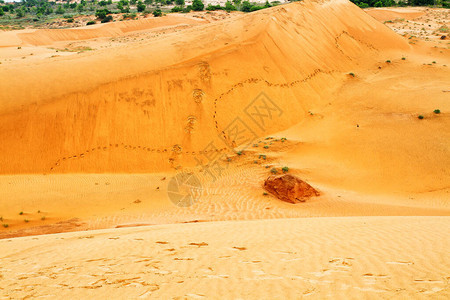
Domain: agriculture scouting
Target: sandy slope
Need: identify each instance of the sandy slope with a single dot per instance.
(83, 104)
(92, 138)
(338, 258)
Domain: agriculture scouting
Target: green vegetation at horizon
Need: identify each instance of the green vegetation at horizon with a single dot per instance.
(39, 13)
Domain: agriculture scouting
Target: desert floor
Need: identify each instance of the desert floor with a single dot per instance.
(98, 123)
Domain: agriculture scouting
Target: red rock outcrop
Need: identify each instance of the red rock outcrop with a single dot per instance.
(289, 188)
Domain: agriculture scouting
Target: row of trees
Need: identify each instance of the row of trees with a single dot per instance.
(383, 3)
(197, 5)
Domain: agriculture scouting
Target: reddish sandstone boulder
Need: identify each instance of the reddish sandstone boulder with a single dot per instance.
(289, 188)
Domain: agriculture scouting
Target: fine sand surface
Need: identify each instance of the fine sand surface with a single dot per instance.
(311, 258)
(99, 124)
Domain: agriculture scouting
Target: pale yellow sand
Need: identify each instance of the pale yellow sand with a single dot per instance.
(314, 258)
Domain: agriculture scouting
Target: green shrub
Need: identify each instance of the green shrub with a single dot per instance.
(107, 19)
(157, 13)
(420, 117)
(90, 23)
(273, 171)
(246, 6)
(141, 6)
(211, 7)
(5, 225)
(197, 5)
(285, 169)
(229, 7)
(101, 13)
(437, 111)
(177, 9)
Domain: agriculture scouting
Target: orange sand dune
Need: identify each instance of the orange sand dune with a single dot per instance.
(344, 89)
(77, 117)
(98, 139)
(390, 14)
(39, 37)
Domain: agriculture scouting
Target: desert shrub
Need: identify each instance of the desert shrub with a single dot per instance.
(256, 7)
(246, 6)
(229, 7)
(177, 9)
(60, 10)
(107, 19)
(239, 153)
(21, 213)
(157, 13)
(101, 13)
(420, 117)
(140, 6)
(351, 74)
(187, 9)
(285, 169)
(5, 225)
(2, 13)
(437, 111)
(90, 23)
(273, 171)
(388, 61)
(197, 5)
(179, 2)
(211, 7)
(69, 20)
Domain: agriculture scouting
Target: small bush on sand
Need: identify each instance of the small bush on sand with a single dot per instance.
(420, 117)
(285, 169)
(273, 171)
(437, 111)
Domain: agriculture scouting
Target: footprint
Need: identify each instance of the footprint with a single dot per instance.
(240, 248)
(199, 244)
(400, 263)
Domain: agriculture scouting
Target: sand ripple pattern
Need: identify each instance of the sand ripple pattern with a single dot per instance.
(359, 257)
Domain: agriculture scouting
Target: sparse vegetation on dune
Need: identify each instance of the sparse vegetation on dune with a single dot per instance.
(44, 13)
